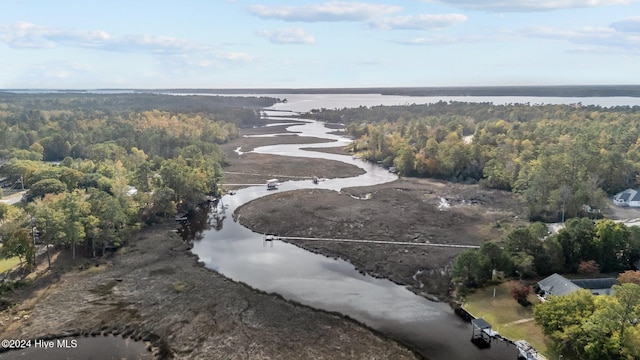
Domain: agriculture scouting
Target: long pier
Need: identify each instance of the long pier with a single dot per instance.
(403, 243)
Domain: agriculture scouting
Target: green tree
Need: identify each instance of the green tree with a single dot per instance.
(615, 316)
(4, 210)
(142, 177)
(78, 219)
(46, 186)
(493, 257)
(49, 222)
(55, 147)
(583, 326)
(611, 240)
(405, 162)
(561, 317)
(189, 184)
(467, 269)
(526, 251)
(576, 239)
(17, 242)
(111, 218)
(20, 171)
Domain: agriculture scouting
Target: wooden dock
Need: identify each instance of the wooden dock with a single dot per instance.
(358, 241)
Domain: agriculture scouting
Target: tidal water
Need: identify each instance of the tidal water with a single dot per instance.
(431, 328)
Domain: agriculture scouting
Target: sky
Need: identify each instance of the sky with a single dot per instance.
(150, 44)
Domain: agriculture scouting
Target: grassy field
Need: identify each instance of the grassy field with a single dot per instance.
(8, 264)
(506, 316)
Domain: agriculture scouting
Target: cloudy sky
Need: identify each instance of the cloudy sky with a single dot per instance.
(296, 44)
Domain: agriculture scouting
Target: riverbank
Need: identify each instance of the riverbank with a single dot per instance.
(245, 168)
(405, 210)
(154, 289)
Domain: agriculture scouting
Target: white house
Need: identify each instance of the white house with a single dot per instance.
(629, 197)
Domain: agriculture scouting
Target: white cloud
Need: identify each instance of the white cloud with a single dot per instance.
(631, 24)
(23, 35)
(604, 40)
(419, 22)
(328, 11)
(287, 36)
(531, 5)
(28, 35)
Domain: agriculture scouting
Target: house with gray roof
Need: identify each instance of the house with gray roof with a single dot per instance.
(559, 285)
(627, 198)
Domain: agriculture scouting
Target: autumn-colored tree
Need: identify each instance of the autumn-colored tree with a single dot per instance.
(520, 292)
(589, 268)
(629, 276)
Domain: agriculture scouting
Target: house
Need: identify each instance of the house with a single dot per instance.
(559, 285)
(627, 198)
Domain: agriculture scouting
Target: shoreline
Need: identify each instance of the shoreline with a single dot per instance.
(166, 296)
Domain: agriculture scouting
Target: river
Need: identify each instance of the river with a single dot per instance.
(431, 328)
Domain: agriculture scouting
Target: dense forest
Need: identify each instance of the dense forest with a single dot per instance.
(564, 159)
(96, 167)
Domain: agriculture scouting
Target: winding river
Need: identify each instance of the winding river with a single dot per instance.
(224, 245)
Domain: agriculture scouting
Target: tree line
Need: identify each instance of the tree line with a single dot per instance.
(95, 169)
(583, 246)
(564, 159)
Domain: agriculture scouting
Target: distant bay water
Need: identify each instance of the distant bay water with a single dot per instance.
(301, 101)
(307, 102)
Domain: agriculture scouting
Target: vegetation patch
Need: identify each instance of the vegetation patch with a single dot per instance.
(9, 286)
(95, 269)
(180, 286)
(8, 264)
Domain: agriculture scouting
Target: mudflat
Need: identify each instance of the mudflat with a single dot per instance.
(155, 290)
(406, 210)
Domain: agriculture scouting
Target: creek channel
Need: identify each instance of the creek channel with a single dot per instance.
(222, 244)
